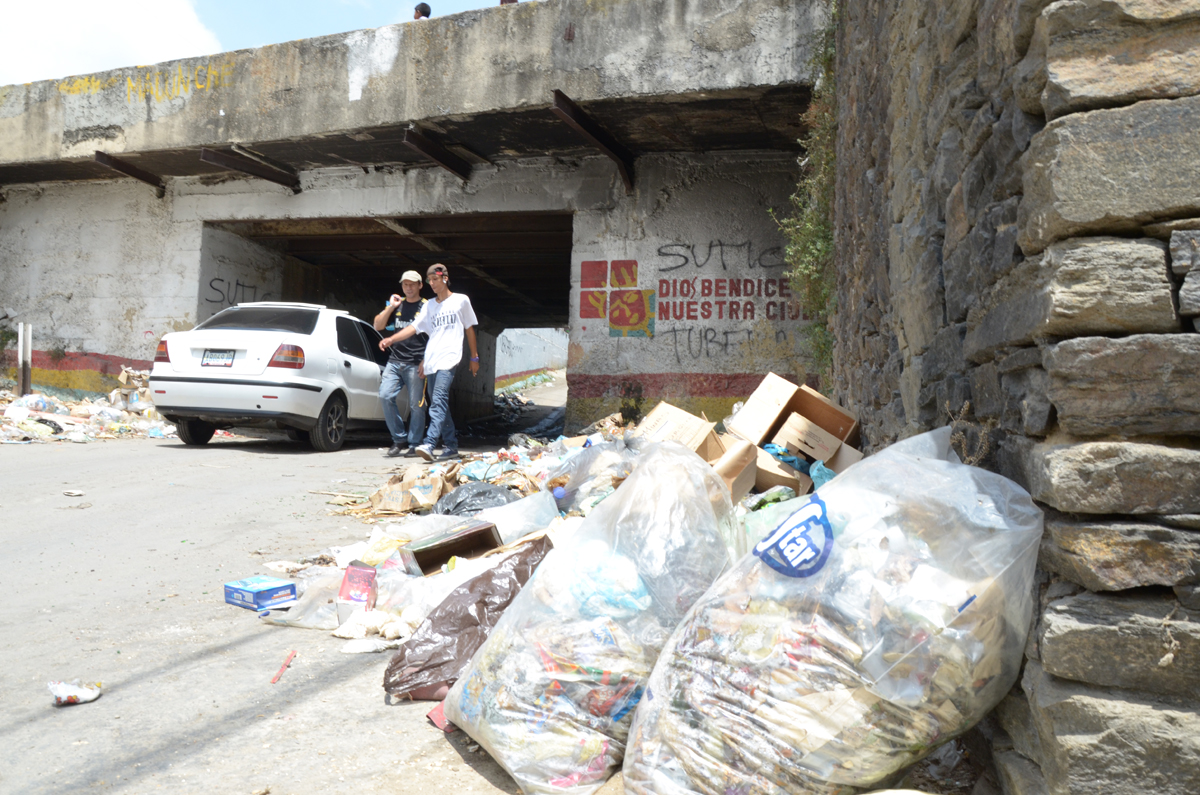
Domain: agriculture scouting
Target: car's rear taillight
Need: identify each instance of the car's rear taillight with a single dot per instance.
(161, 354)
(289, 356)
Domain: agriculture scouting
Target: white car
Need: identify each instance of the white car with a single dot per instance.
(306, 369)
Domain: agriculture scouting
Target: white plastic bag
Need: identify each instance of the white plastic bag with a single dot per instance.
(73, 692)
(550, 694)
(882, 618)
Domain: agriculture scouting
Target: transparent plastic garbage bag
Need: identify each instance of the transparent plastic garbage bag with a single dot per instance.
(586, 478)
(518, 519)
(885, 616)
(550, 694)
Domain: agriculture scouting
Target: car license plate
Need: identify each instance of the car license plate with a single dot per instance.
(217, 359)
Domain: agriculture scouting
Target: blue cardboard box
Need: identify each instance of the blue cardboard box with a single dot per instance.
(260, 593)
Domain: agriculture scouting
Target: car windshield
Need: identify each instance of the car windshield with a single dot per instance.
(265, 318)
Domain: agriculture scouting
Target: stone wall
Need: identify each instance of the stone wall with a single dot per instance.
(1018, 228)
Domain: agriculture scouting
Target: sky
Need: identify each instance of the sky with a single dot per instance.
(51, 39)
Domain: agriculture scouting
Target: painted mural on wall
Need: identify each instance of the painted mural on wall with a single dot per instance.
(629, 311)
(706, 298)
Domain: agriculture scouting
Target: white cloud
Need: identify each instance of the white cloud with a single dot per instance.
(51, 39)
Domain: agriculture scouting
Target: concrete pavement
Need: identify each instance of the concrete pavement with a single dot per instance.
(128, 591)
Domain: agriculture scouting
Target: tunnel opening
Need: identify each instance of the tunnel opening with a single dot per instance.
(515, 267)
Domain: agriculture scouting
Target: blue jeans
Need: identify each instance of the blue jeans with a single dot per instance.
(396, 376)
(440, 422)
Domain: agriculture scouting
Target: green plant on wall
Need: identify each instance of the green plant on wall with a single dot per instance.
(808, 228)
(57, 352)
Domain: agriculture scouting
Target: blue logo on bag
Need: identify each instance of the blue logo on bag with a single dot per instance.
(801, 545)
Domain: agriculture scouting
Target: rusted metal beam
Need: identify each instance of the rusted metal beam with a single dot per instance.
(438, 154)
(252, 167)
(575, 117)
(463, 262)
(266, 161)
(130, 170)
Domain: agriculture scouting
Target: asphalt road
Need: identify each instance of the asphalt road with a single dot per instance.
(124, 586)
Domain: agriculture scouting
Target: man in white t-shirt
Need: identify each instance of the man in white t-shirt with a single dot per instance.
(447, 320)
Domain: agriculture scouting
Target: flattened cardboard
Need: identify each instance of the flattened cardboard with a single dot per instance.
(799, 434)
(409, 495)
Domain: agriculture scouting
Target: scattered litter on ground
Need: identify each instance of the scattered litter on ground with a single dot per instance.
(73, 693)
(126, 412)
(809, 642)
(282, 668)
(260, 593)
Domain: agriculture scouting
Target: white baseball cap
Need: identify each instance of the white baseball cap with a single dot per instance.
(411, 276)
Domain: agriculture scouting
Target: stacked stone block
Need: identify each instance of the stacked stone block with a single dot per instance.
(1018, 223)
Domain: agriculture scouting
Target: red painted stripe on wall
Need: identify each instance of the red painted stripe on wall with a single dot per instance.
(663, 385)
(100, 362)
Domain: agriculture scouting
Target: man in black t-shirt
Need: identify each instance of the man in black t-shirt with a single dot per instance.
(403, 367)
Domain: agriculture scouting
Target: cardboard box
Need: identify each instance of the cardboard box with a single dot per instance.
(413, 494)
(800, 435)
(358, 584)
(738, 467)
(770, 472)
(843, 458)
(260, 593)
(357, 591)
(669, 423)
(470, 540)
(776, 398)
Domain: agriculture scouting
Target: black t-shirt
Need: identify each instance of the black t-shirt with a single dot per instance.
(411, 350)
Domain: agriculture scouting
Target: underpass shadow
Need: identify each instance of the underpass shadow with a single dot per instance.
(280, 445)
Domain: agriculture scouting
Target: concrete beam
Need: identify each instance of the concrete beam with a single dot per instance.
(502, 59)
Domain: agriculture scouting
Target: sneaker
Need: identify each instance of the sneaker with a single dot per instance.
(425, 451)
(448, 455)
(395, 451)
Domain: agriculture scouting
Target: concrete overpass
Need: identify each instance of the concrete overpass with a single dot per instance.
(517, 143)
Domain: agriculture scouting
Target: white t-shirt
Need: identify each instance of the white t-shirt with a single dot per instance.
(445, 322)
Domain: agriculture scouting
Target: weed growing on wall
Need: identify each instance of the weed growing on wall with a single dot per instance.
(808, 229)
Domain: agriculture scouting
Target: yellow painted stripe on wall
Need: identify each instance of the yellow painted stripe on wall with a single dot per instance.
(86, 380)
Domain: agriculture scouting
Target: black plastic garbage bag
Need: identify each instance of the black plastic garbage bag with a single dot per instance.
(471, 498)
(431, 660)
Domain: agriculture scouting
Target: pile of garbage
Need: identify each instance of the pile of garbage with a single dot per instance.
(126, 412)
(666, 599)
(510, 406)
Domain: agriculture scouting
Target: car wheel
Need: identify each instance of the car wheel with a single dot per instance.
(195, 432)
(330, 430)
(296, 435)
